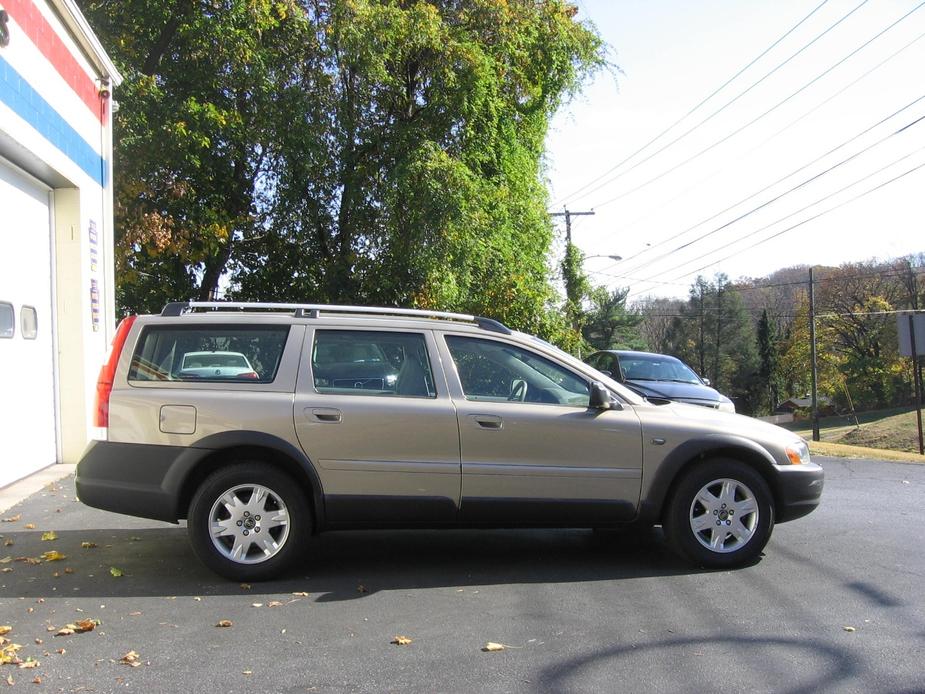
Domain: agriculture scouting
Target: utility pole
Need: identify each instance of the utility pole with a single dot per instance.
(568, 214)
(570, 273)
(812, 354)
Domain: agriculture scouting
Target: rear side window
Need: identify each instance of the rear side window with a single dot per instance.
(363, 362)
(239, 354)
(29, 322)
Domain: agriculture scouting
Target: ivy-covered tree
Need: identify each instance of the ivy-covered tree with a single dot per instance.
(381, 151)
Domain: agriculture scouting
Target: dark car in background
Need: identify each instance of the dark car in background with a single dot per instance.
(659, 376)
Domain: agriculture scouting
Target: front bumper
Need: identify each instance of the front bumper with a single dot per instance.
(798, 490)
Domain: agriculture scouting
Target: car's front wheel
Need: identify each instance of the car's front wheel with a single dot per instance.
(720, 515)
(247, 521)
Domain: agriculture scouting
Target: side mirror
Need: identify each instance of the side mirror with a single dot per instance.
(706, 381)
(600, 398)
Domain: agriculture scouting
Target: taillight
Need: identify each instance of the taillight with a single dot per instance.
(108, 372)
(250, 375)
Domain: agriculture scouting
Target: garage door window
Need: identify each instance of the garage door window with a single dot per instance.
(29, 322)
(7, 320)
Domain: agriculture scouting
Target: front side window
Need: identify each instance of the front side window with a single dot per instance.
(499, 372)
(246, 354)
(7, 320)
(364, 362)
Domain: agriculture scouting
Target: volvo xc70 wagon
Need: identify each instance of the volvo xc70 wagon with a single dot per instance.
(359, 417)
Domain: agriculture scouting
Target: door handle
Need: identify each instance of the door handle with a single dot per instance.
(487, 421)
(328, 415)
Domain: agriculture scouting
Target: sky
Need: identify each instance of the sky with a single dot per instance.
(761, 148)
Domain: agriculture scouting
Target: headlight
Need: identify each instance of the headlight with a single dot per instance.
(798, 453)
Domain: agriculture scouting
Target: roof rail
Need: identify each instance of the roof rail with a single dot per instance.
(178, 308)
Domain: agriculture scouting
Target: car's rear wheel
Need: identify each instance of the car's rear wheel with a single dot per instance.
(247, 521)
(720, 515)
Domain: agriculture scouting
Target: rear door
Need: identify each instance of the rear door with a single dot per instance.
(373, 413)
(532, 450)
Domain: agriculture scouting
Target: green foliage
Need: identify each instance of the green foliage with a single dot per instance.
(768, 366)
(609, 324)
(378, 151)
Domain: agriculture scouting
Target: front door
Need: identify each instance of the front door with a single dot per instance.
(374, 416)
(532, 450)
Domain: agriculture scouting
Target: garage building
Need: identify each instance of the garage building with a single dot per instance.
(57, 312)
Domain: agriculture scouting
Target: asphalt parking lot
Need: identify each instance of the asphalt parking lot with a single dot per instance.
(835, 605)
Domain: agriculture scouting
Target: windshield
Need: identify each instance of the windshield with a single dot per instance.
(657, 367)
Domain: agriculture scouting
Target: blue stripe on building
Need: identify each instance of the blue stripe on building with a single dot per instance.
(29, 105)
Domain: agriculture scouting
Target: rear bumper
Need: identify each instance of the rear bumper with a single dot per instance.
(798, 490)
(135, 479)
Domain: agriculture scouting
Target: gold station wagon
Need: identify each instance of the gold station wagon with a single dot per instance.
(363, 417)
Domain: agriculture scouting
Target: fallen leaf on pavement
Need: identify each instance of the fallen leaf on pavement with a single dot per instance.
(245, 586)
(225, 623)
(400, 640)
(8, 542)
(28, 664)
(53, 555)
(849, 628)
(10, 681)
(5, 629)
(256, 604)
(274, 603)
(12, 519)
(115, 572)
(49, 535)
(6, 560)
(88, 545)
(491, 646)
(61, 651)
(134, 614)
(248, 672)
(30, 560)
(301, 594)
(36, 680)
(131, 659)
(78, 627)
(6, 570)
(29, 526)
(362, 589)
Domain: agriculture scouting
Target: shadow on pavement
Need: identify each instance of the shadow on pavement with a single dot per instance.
(160, 562)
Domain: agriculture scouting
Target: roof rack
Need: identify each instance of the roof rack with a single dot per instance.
(178, 308)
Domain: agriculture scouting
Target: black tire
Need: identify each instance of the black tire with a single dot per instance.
(285, 531)
(721, 540)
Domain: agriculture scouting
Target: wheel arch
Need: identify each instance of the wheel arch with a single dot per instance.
(222, 448)
(675, 465)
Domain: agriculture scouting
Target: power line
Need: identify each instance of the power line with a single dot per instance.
(804, 115)
(816, 216)
(774, 199)
(762, 115)
(700, 103)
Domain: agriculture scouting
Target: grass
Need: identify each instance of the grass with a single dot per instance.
(882, 434)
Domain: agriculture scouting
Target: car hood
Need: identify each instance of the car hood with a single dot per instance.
(729, 423)
(676, 391)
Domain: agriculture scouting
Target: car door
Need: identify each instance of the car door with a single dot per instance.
(373, 414)
(532, 450)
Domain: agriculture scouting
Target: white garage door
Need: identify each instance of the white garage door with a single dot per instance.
(27, 386)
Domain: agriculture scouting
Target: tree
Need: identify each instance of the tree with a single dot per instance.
(380, 151)
(768, 356)
(609, 324)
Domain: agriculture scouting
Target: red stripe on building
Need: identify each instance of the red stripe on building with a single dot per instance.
(42, 34)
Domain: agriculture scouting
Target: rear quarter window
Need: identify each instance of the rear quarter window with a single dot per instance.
(198, 354)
